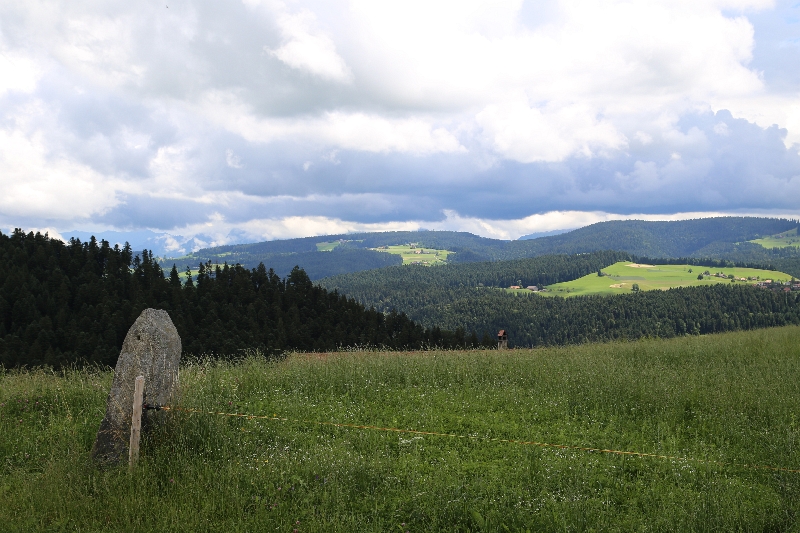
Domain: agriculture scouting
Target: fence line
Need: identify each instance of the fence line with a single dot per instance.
(277, 418)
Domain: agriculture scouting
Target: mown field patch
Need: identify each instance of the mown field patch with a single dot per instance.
(620, 278)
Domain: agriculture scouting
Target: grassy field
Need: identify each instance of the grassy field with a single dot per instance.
(424, 256)
(621, 277)
(327, 246)
(733, 398)
(781, 240)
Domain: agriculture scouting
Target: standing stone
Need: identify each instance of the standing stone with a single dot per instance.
(152, 349)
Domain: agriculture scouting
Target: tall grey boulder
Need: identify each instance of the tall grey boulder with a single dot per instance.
(152, 349)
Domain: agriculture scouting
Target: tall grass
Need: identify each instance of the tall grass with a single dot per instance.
(733, 398)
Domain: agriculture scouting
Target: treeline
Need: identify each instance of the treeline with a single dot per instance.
(535, 320)
(461, 296)
(61, 303)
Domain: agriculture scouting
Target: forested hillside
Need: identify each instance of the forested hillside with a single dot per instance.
(62, 303)
(411, 287)
(460, 296)
(683, 238)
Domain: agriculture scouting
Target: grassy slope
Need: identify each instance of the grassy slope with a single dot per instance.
(780, 240)
(732, 398)
(621, 278)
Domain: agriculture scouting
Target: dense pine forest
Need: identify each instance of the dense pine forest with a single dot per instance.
(462, 296)
(65, 303)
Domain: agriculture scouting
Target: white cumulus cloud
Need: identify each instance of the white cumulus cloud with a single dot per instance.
(303, 49)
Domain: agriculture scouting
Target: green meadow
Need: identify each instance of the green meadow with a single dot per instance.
(327, 246)
(780, 240)
(720, 401)
(421, 255)
(620, 277)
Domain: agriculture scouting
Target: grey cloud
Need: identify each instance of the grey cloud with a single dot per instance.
(138, 211)
(697, 169)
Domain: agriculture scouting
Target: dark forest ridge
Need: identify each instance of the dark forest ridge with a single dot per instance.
(720, 238)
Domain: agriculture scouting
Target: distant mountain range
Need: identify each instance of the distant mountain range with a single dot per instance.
(717, 238)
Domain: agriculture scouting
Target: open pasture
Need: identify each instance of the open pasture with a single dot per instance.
(620, 277)
(731, 398)
(780, 240)
(417, 254)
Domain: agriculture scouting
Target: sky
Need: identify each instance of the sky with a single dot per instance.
(213, 122)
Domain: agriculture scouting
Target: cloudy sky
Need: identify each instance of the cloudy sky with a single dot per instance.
(260, 119)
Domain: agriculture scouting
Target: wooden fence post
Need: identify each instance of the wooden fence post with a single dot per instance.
(136, 422)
